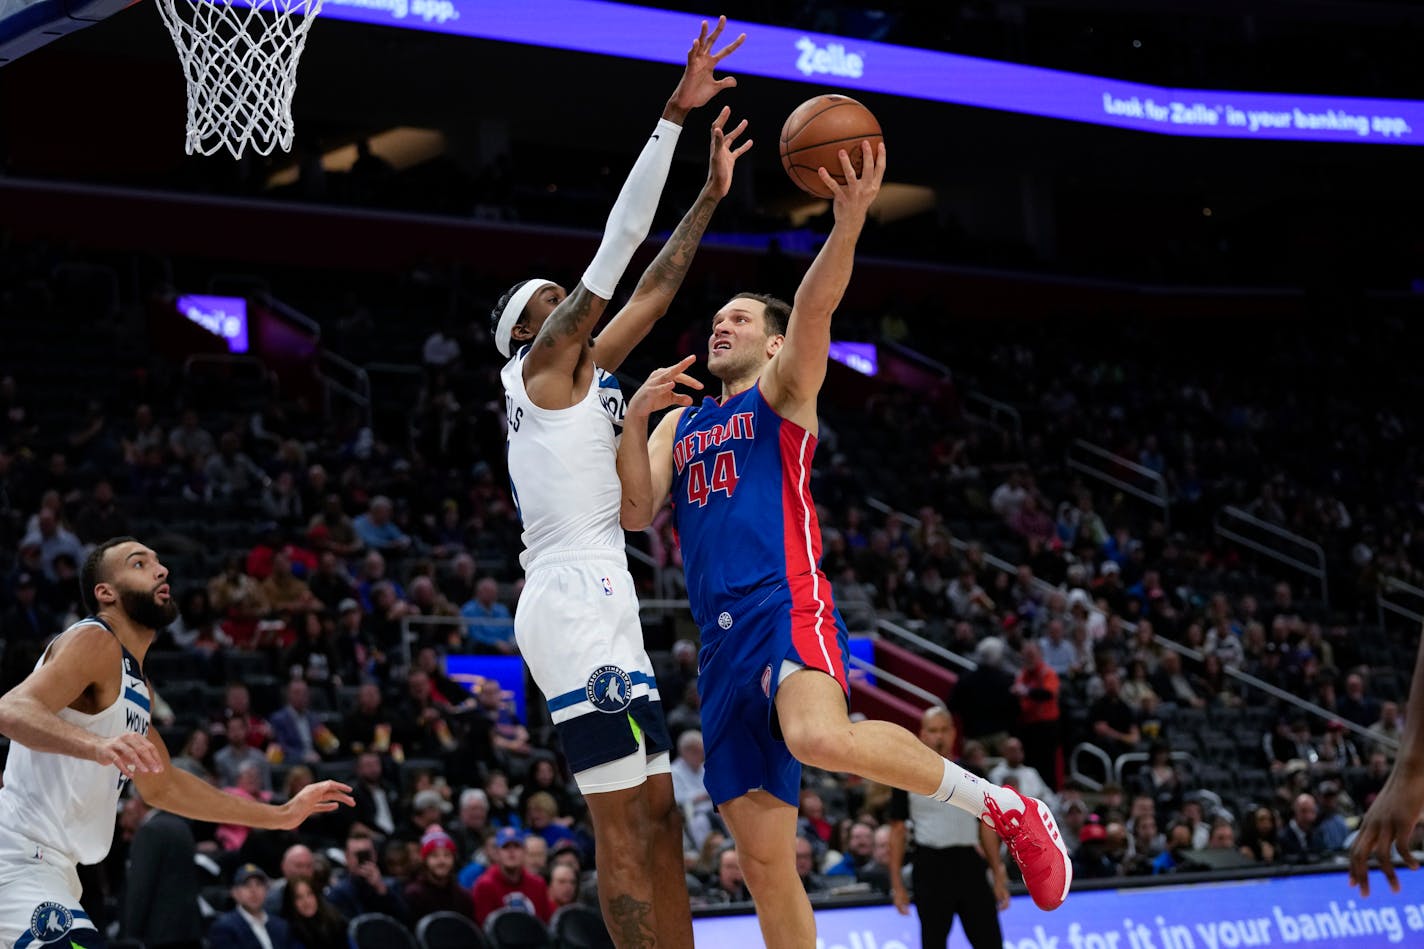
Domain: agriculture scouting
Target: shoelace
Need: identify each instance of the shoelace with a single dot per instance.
(1017, 841)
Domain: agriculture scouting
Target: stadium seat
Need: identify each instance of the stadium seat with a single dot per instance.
(579, 927)
(515, 929)
(379, 931)
(447, 930)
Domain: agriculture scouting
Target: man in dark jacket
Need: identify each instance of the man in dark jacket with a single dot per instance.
(161, 896)
(366, 889)
(238, 929)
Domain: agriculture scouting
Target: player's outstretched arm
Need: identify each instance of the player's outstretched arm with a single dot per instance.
(29, 713)
(1400, 803)
(187, 795)
(564, 336)
(665, 274)
(793, 378)
(645, 464)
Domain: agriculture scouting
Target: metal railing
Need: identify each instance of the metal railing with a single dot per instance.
(1163, 642)
(1230, 522)
(356, 391)
(1075, 771)
(896, 681)
(1391, 589)
(994, 410)
(933, 648)
(1113, 469)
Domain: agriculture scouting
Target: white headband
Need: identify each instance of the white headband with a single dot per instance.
(513, 310)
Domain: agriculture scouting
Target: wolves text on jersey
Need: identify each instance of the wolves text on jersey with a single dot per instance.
(741, 425)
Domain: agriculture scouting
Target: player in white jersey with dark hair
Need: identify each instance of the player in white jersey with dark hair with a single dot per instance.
(79, 732)
(577, 625)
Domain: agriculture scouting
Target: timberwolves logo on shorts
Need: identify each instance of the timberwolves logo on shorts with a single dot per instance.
(50, 921)
(609, 689)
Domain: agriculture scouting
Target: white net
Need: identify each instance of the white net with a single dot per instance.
(240, 60)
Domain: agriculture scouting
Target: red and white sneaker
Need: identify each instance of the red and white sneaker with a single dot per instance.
(1036, 845)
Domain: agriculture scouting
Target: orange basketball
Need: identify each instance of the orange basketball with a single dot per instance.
(816, 132)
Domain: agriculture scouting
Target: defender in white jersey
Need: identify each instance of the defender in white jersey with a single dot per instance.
(577, 624)
(79, 733)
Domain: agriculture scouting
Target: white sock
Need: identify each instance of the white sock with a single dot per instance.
(967, 792)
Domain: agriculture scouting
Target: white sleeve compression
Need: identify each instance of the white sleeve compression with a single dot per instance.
(632, 214)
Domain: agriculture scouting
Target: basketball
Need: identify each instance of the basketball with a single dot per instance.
(815, 133)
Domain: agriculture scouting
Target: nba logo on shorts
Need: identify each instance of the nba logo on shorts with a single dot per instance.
(607, 587)
(50, 921)
(609, 689)
(765, 679)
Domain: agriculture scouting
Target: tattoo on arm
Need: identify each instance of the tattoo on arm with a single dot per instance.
(631, 925)
(569, 318)
(666, 271)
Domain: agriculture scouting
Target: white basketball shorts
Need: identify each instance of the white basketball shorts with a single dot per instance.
(577, 628)
(39, 897)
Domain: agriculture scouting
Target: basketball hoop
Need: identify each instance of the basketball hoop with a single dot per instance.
(240, 60)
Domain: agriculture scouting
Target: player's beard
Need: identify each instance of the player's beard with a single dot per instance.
(141, 607)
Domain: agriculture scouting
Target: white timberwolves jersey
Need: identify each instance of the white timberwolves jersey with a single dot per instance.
(563, 466)
(67, 804)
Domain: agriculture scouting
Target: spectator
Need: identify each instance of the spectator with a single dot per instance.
(1013, 772)
(237, 703)
(248, 785)
(145, 436)
(729, 885)
(378, 531)
(54, 540)
(101, 518)
(984, 699)
(332, 531)
(434, 888)
(815, 884)
(1304, 839)
(1161, 781)
(1057, 651)
(231, 475)
(489, 625)
(509, 735)
(1222, 835)
(1260, 836)
(563, 886)
(374, 810)
(365, 889)
(1387, 733)
(544, 776)
(859, 850)
(1036, 687)
(1355, 705)
(967, 598)
(541, 817)
(160, 904)
(26, 626)
(1091, 860)
(194, 757)
(1112, 720)
(301, 735)
(1009, 496)
(284, 592)
(689, 791)
(237, 753)
(369, 726)
(1175, 856)
(427, 808)
(508, 884)
(298, 863)
(315, 922)
(249, 926)
(238, 599)
(189, 441)
(472, 824)
(1172, 685)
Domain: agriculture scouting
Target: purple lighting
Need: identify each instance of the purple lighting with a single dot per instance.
(644, 33)
(859, 356)
(224, 317)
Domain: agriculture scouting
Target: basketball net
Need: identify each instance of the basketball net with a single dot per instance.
(240, 61)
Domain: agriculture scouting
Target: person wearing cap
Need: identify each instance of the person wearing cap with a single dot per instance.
(1091, 860)
(509, 884)
(249, 926)
(435, 888)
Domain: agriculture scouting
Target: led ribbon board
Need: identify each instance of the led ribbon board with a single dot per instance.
(613, 29)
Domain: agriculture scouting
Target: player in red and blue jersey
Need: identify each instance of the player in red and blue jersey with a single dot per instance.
(773, 660)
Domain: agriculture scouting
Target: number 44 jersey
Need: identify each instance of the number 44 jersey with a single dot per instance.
(741, 492)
